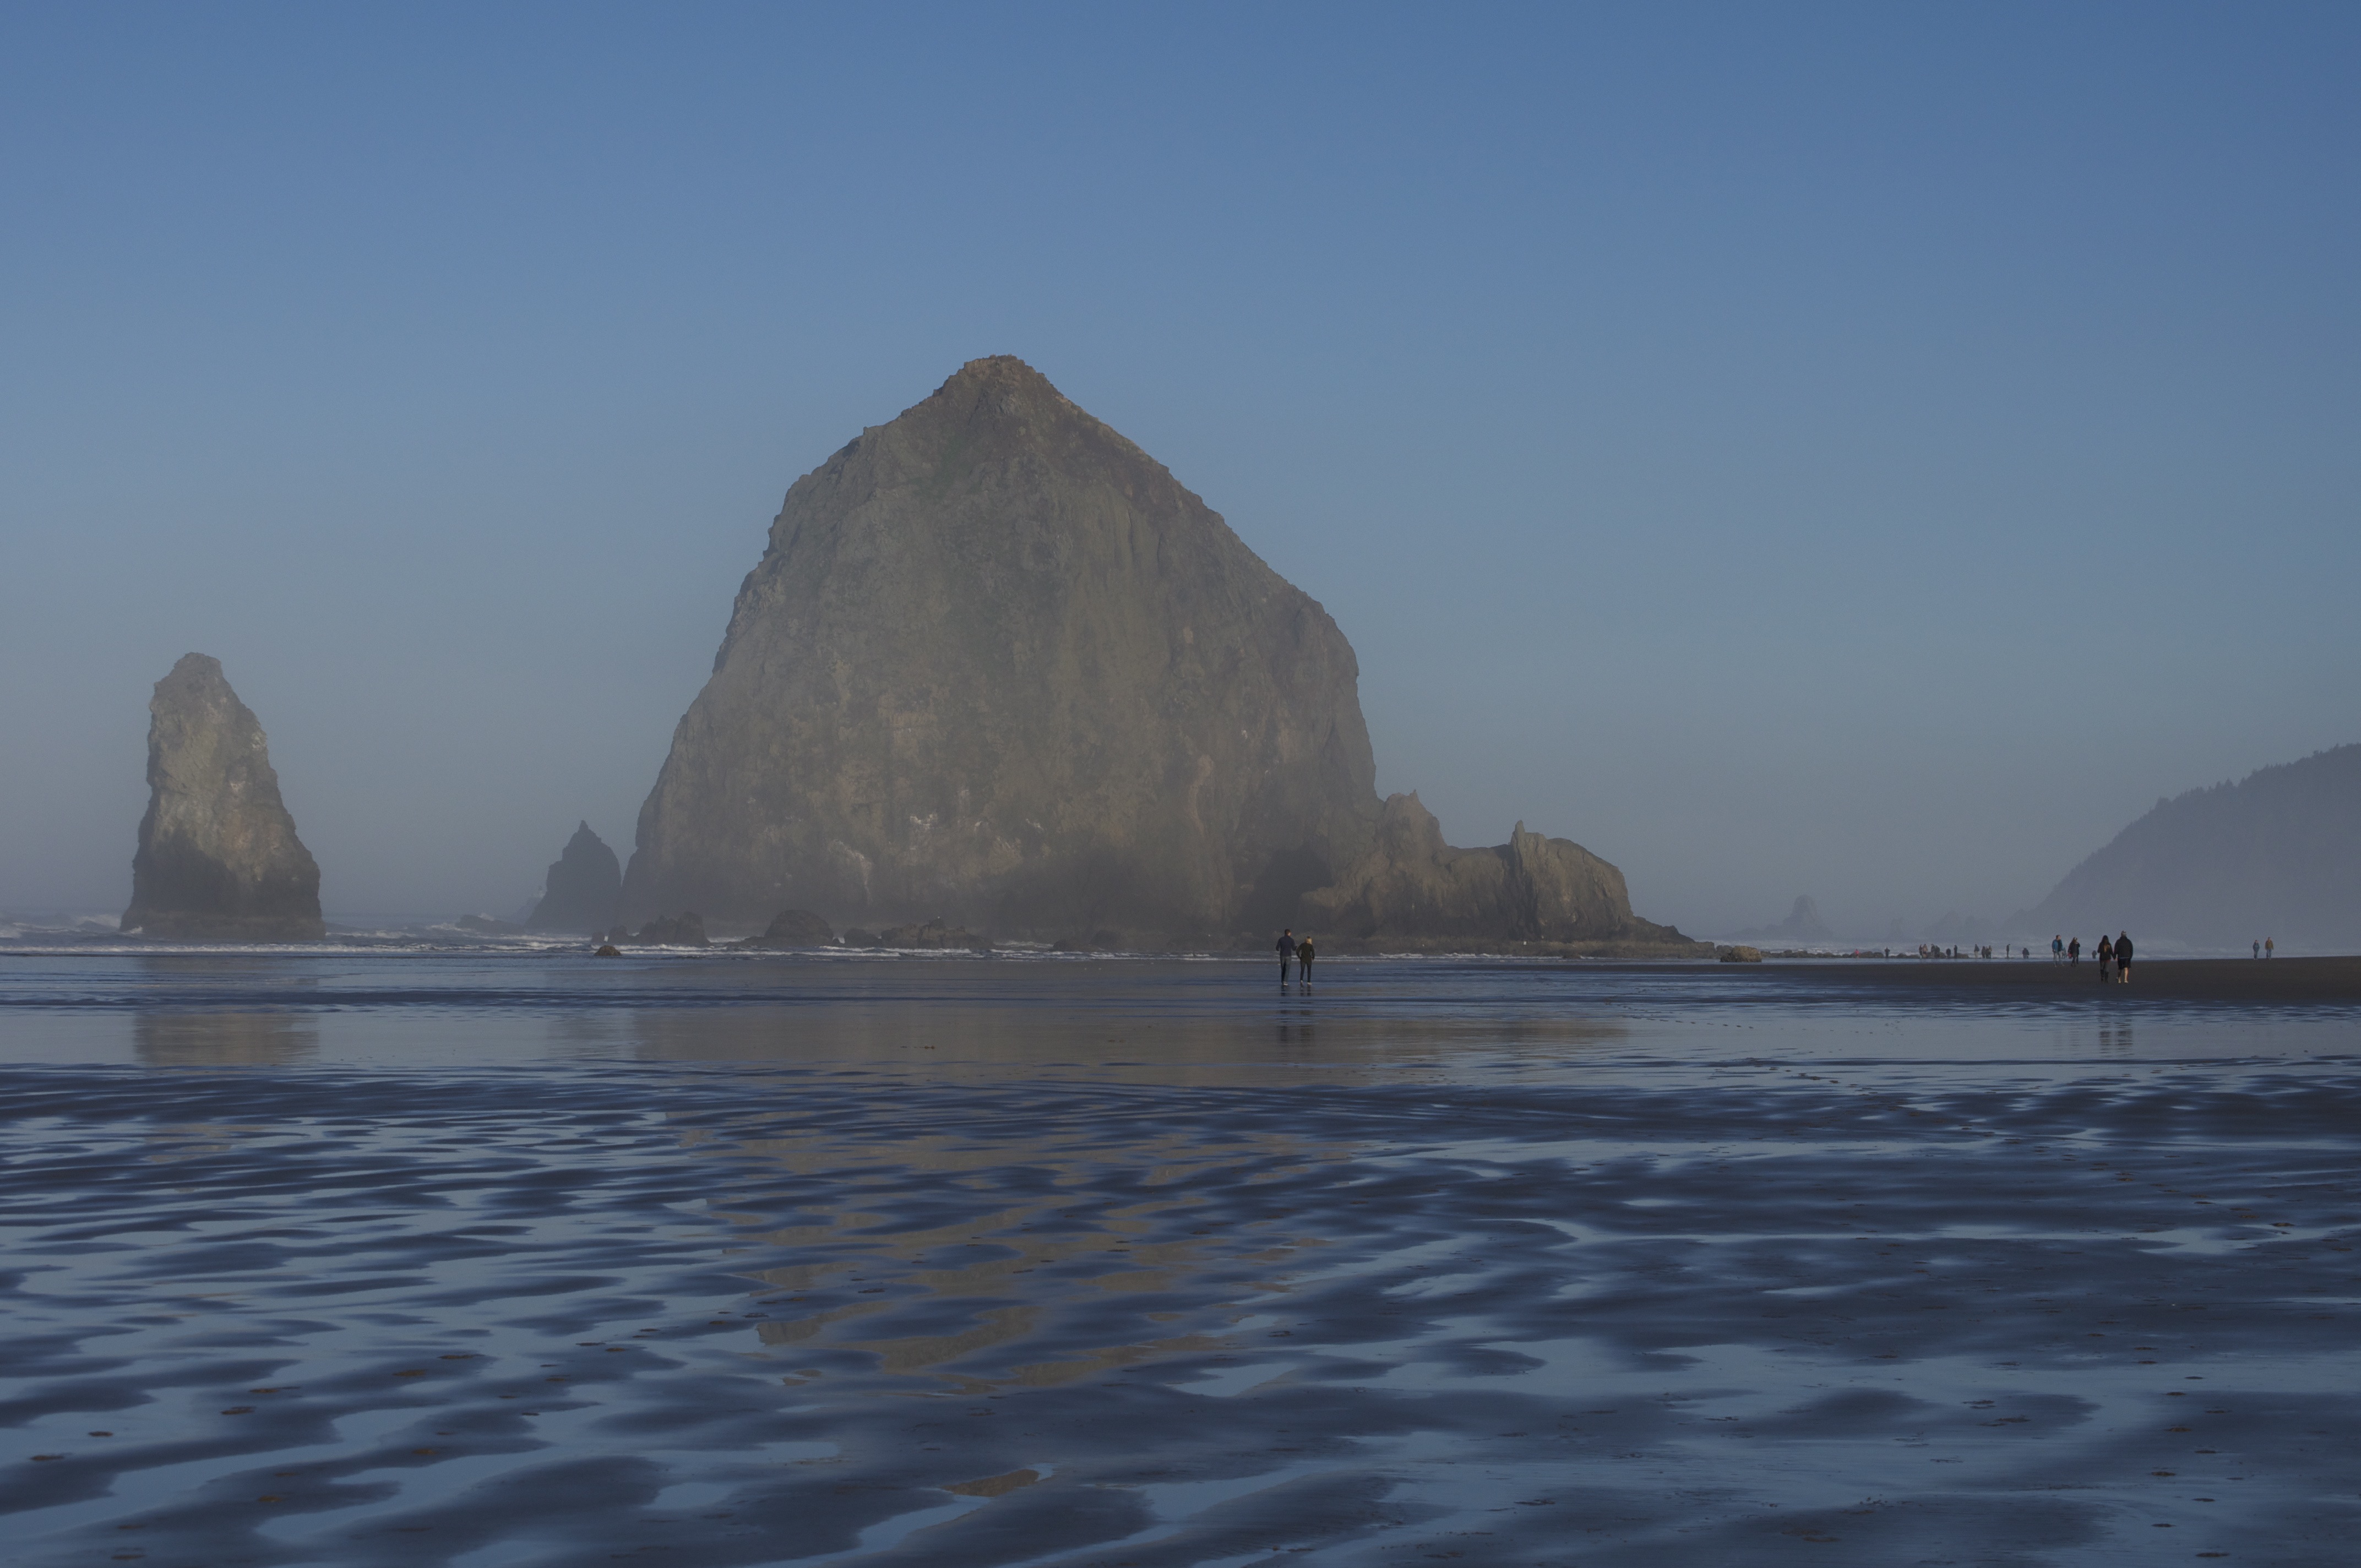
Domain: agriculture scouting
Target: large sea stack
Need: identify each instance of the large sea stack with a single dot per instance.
(998, 668)
(585, 888)
(218, 858)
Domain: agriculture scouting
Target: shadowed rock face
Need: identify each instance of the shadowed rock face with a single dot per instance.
(585, 890)
(218, 858)
(996, 665)
(1412, 888)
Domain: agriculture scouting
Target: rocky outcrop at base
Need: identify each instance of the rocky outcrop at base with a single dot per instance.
(1412, 891)
(794, 928)
(585, 890)
(218, 858)
(686, 930)
(933, 933)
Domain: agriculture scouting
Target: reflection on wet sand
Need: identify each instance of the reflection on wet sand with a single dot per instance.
(225, 1039)
(1081, 1289)
(743, 1265)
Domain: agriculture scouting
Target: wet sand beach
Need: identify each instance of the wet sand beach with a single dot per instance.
(540, 1261)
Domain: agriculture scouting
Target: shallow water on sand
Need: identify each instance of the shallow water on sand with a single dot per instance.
(498, 1260)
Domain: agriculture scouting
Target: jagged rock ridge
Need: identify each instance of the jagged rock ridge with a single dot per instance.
(218, 858)
(585, 889)
(1410, 887)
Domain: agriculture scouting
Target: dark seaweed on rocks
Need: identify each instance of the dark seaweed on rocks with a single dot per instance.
(218, 858)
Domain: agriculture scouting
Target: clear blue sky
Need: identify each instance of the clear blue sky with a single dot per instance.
(1865, 450)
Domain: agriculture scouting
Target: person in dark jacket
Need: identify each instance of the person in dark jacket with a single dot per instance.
(1304, 960)
(2123, 957)
(1286, 951)
(2106, 960)
(2074, 952)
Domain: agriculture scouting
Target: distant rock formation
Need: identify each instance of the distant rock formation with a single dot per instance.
(218, 858)
(686, 930)
(585, 890)
(2277, 854)
(1411, 888)
(933, 933)
(1741, 954)
(997, 666)
(794, 928)
(1803, 925)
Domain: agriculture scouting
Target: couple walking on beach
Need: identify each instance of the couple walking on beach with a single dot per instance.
(1300, 953)
(2115, 960)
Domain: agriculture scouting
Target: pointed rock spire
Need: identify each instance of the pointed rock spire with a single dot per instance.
(218, 858)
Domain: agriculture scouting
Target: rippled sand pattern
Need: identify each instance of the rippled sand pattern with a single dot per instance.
(1596, 1276)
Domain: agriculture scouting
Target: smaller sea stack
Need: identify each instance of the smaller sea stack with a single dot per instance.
(218, 858)
(585, 890)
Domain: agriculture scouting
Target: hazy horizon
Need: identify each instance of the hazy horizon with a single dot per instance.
(1842, 451)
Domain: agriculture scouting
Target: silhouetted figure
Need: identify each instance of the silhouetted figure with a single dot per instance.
(1286, 951)
(2270, 948)
(2259, 946)
(2106, 960)
(1304, 960)
(2074, 953)
(2123, 957)
(2057, 949)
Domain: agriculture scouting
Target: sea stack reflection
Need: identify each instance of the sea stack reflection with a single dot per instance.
(218, 858)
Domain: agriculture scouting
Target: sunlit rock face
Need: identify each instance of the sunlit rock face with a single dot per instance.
(585, 890)
(998, 666)
(218, 858)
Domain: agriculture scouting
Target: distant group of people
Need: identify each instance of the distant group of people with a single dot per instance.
(2114, 957)
(2266, 949)
(1299, 953)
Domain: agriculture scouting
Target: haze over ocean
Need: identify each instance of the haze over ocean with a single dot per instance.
(1866, 452)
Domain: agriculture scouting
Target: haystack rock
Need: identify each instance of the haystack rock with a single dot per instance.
(997, 666)
(998, 669)
(585, 890)
(218, 858)
(1412, 890)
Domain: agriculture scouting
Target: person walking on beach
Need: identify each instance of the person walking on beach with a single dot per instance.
(2123, 957)
(2057, 948)
(2259, 946)
(2106, 960)
(2270, 948)
(1286, 951)
(2074, 953)
(1304, 960)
